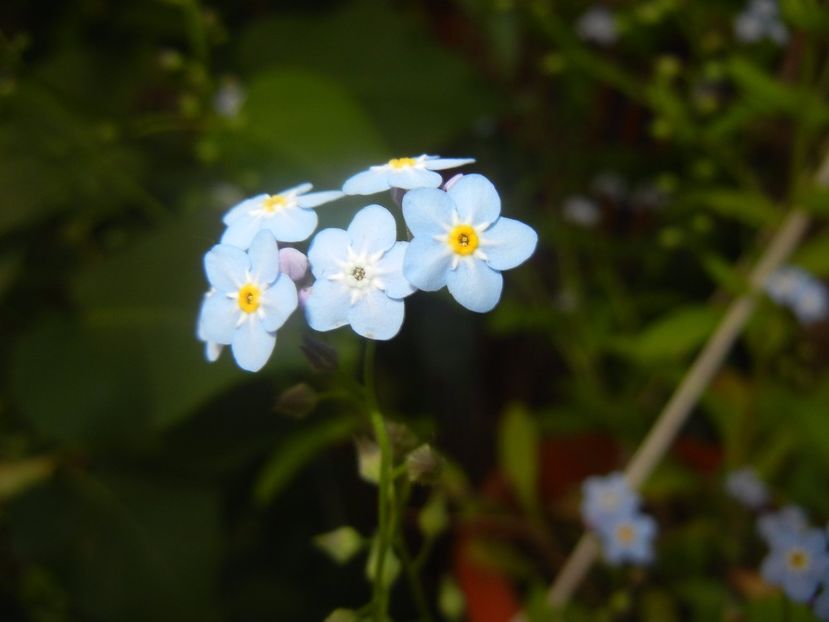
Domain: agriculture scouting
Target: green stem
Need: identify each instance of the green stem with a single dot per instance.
(385, 504)
(413, 577)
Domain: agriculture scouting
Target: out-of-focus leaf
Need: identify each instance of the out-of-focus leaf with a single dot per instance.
(808, 15)
(304, 118)
(671, 336)
(518, 453)
(125, 548)
(724, 273)
(405, 88)
(433, 518)
(770, 96)
(814, 256)
(750, 208)
(299, 449)
(18, 476)
(451, 601)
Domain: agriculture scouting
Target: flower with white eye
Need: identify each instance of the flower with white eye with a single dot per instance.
(359, 276)
(251, 300)
(462, 242)
(288, 215)
(628, 538)
(406, 173)
(606, 499)
(797, 562)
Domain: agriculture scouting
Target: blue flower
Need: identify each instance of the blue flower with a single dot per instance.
(777, 525)
(798, 290)
(406, 173)
(760, 20)
(359, 276)
(821, 606)
(462, 242)
(744, 486)
(797, 563)
(606, 499)
(250, 301)
(212, 350)
(288, 216)
(628, 539)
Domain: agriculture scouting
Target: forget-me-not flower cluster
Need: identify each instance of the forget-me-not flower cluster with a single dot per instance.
(362, 274)
(797, 561)
(611, 509)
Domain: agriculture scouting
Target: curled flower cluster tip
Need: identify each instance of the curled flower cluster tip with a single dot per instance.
(362, 274)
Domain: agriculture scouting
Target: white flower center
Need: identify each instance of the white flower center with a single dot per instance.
(360, 273)
(248, 299)
(463, 240)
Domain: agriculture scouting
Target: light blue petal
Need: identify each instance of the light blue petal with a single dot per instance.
(299, 189)
(264, 257)
(226, 267)
(373, 230)
(376, 316)
(218, 319)
(318, 198)
(292, 224)
(367, 182)
(278, 302)
(326, 307)
(428, 211)
(476, 199)
(252, 345)
(409, 178)
(391, 272)
(328, 250)
(240, 232)
(475, 285)
(426, 263)
(508, 243)
(212, 350)
(242, 208)
(439, 164)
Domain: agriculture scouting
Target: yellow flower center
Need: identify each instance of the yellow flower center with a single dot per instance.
(249, 298)
(625, 534)
(463, 239)
(400, 163)
(274, 203)
(798, 559)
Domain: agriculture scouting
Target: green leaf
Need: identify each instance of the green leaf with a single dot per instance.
(672, 336)
(416, 92)
(298, 450)
(814, 256)
(750, 208)
(518, 453)
(808, 15)
(125, 548)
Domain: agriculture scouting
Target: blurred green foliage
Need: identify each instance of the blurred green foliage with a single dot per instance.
(138, 482)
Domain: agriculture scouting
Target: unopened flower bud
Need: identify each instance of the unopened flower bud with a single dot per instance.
(341, 544)
(423, 465)
(368, 460)
(293, 263)
(296, 401)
